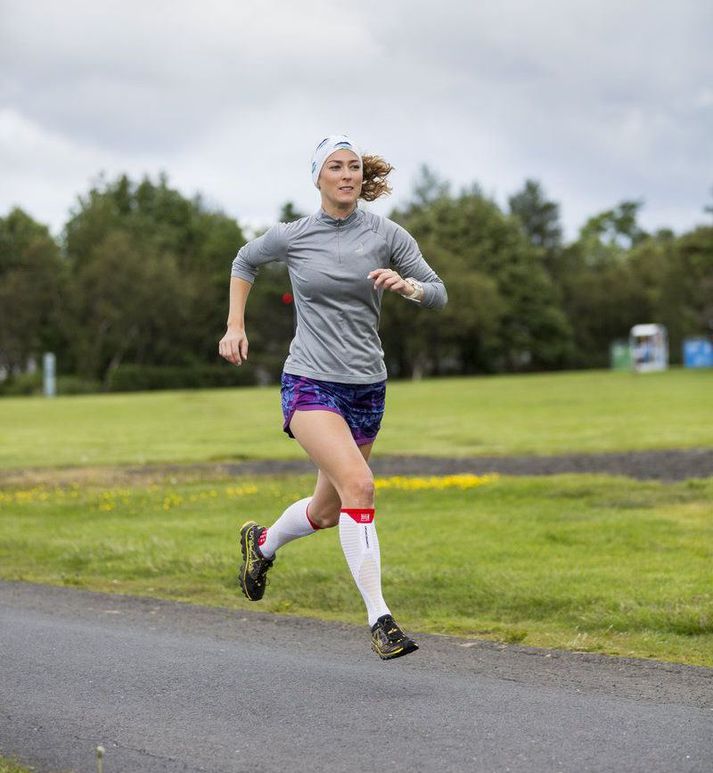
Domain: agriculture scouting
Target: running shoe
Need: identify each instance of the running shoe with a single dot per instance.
(253, 571)
(388, 641)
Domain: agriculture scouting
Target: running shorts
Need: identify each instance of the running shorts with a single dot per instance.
(360, 405)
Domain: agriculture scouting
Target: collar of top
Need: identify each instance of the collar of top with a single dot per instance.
(327, 219)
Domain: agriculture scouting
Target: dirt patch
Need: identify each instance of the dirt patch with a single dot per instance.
(667, 465)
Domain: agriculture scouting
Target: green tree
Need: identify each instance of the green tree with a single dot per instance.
(429, 187)
(31, 279)
(484, 257)
(288, 213)
(133, 303)
(617, 229)
(539, 217)
(124, 234)
(692, 280)
(601, 290)
(540, 221)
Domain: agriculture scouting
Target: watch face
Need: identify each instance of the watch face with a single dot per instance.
(417, 288)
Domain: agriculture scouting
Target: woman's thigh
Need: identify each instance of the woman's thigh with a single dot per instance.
(328, 441)
(326, 502)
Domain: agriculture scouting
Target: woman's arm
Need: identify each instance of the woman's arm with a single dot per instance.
(233, 345)
(408, 262)
(272, 245)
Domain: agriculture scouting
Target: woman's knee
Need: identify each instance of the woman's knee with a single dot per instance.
(358, 489)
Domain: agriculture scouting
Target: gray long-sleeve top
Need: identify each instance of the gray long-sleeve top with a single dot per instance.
(337, 308)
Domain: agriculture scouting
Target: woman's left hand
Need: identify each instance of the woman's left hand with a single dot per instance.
(388, 279)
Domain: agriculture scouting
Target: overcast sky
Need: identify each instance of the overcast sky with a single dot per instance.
(599, 100)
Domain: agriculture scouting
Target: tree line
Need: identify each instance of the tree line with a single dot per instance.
(134, 293)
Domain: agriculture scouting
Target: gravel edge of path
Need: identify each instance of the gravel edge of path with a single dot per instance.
(663, 465)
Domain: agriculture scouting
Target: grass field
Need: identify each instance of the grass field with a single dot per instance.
(11, 766)
(577, 562)
(533, 414)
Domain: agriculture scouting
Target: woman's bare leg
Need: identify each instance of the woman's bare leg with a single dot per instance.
(320, 511)
(327, 439)
(344, 493)
(325, 505)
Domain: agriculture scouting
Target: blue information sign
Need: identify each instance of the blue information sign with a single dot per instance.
(697, 353)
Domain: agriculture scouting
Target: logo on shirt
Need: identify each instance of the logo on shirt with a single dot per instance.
(360, 249)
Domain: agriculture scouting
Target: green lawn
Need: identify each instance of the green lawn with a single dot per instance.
(577, 562)
(534, 414)
(11, 766)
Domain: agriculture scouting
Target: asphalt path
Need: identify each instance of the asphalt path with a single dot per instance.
(165, 686)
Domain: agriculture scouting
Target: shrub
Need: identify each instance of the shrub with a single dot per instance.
(22, 384)
(136, 378)
(74, 385)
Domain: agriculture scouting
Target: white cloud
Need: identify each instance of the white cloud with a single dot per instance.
(34, 160)
(601, 101)
(43, 172)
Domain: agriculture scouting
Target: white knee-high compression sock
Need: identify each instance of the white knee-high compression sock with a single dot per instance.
(292, 524)
(357, 533)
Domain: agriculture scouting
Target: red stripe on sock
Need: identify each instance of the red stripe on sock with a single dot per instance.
(359, 514)
(311, 522)
(261, 539)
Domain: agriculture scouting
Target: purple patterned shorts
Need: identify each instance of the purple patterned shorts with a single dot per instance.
(360, 405)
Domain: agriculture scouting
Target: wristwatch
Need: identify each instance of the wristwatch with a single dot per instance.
(417, 294)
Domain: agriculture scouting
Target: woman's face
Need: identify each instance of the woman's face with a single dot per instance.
(340, 180)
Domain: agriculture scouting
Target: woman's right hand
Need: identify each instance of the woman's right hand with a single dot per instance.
(234, 346)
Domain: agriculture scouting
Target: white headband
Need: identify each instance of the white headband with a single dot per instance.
(325, 149)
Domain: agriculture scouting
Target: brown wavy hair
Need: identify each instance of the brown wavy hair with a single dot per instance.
(374, 183)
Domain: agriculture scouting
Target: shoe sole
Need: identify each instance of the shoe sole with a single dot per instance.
(244, 530)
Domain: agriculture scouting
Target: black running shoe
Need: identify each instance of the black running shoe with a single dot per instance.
(255, 566)
(388, 641)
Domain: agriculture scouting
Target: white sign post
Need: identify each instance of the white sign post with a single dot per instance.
(48, 371)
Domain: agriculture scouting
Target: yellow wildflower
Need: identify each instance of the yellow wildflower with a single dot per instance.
(434, 482)
(240, 491)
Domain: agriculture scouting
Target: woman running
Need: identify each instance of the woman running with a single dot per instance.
(340, 260)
